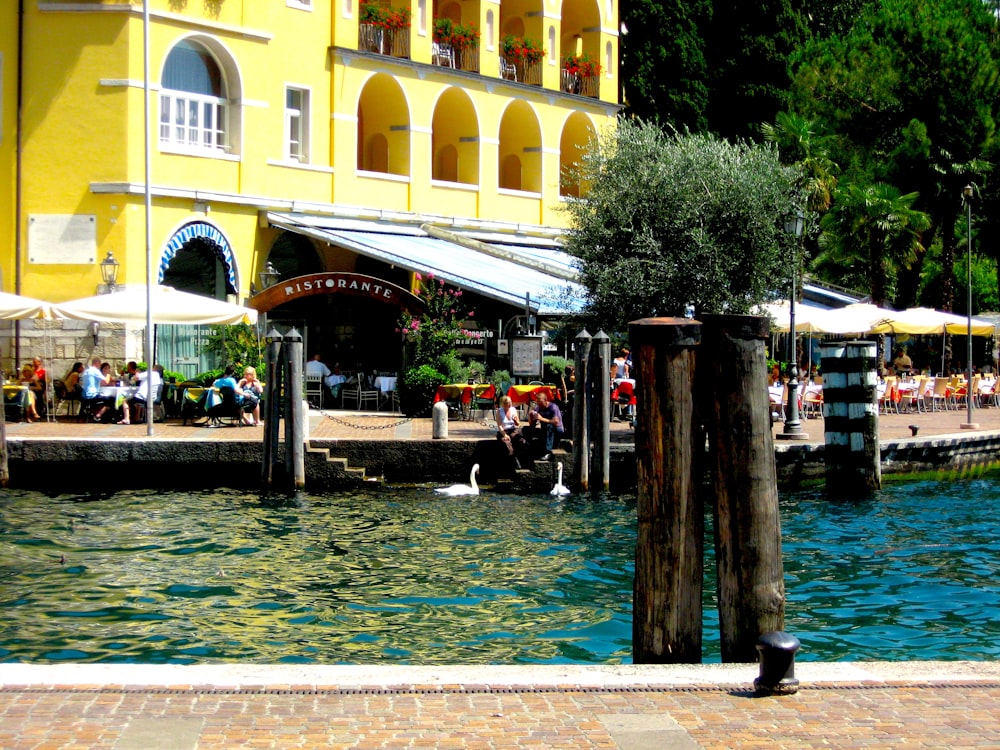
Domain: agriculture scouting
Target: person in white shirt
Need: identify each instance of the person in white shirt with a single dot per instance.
(155, 377)
(316, 367)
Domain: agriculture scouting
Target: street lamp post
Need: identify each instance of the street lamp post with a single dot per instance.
(967, 193)
(793, 427)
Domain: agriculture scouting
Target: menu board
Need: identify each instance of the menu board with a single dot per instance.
(526, 356)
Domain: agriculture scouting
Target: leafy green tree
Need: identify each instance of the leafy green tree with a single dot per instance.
(874, 231)
(665, 75)
(235, 344)
(749, 44)
(678, 219)
(913, 93)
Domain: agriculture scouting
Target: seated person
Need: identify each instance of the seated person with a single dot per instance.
(155, 377)
(72, 379)
(902, 363)
(91, 382)
(509, 431)
(228, 380)
(252, 390)
(29, 379)
(546, 423)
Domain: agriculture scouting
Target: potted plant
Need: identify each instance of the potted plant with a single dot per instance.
(581, 65)
(521, 50)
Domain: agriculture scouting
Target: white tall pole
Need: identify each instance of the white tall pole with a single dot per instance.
(148, 202)
(969, 424)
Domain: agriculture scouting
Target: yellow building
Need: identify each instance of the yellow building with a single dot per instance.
(321, 136)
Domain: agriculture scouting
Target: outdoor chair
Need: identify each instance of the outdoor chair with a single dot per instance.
(64, 396)
(359, 395)
(940, 394)
(314, 390)
(227, 410)
(442, 54)
(140, 406)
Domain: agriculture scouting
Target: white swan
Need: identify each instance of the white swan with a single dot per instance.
(463, 489)
(560, 488)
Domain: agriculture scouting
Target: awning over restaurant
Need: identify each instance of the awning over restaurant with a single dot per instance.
(503, 272)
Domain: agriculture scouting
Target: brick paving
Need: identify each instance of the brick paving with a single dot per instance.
(622, 715)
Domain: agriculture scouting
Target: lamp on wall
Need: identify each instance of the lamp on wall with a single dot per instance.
(95, 331)
(109, 271)
(269, 276)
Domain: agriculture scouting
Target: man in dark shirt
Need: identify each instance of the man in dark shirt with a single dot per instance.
(545, 421)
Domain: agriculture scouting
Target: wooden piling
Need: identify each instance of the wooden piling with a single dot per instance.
(295, 444)
(272, 405)
(600, 375)
(733, 402)
(581, 412)
(666, 616)
(850, 424)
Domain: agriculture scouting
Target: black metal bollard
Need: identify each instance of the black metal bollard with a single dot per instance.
(777, 664)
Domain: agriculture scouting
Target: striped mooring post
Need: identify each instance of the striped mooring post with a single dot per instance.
(850, 416)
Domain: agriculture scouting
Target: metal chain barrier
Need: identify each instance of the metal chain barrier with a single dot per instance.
(344, 422)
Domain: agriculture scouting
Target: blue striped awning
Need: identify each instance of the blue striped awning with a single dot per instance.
(203, 231)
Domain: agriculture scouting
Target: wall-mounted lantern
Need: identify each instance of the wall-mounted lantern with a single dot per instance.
(109, 272)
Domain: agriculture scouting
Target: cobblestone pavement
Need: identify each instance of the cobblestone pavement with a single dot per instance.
(882, 706)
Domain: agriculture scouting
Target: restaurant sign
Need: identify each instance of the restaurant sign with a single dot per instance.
(336, 282)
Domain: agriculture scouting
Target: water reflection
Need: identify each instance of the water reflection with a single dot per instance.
(409, 576)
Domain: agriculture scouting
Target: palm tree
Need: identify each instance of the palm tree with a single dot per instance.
(871, 231)
(800, 143)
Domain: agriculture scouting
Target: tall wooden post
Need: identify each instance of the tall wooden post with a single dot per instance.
(295, 444)
(734, 404)
(601, 413)
(272, 404)
(850, 424)
(581, 412)
(666, 617)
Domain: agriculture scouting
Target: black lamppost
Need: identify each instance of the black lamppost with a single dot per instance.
(109, 272)
(967, 193)
(793, 427)
(269, 276)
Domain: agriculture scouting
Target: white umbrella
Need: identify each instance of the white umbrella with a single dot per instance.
(16, 307)
(808, 319)
(167, 305)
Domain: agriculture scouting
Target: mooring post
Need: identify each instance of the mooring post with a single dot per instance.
(295, 443)
(439, 421)
(734, 405)
(581, 412)
(600, 373)
(272, 404)
(777, 664)
(666, 604)
(850, 418)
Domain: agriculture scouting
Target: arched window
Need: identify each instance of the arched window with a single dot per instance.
(193, 102)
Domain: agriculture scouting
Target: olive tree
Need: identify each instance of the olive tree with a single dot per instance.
(670, 220)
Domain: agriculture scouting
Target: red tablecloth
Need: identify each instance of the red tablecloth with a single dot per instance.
(522, 394)
(463, 392)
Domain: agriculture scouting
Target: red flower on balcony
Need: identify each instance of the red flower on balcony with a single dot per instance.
(582, 66)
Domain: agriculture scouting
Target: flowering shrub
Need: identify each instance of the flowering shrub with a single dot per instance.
(435, 333)
(582, 65)
(517, 49)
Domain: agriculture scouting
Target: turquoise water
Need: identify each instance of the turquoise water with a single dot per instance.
(407, 576)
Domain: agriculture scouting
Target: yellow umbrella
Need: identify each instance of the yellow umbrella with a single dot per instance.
(926, 321)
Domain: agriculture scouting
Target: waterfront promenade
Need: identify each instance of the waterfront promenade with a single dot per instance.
(346, 425)
(627, 707)
(840, 705)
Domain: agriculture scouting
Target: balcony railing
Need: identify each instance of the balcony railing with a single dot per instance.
(526, 72)
(574, 83)
(393, 42)
(468, 59)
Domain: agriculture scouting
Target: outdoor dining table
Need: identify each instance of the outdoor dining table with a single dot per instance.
(197, 401)
(462, 394)
(386, 384)
(17, 398)
(523, 394)
(118, 392)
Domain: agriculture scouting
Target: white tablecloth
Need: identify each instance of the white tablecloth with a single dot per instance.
(333, 379)
(385, 383)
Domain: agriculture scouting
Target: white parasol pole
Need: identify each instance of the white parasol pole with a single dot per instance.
(148, 201)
